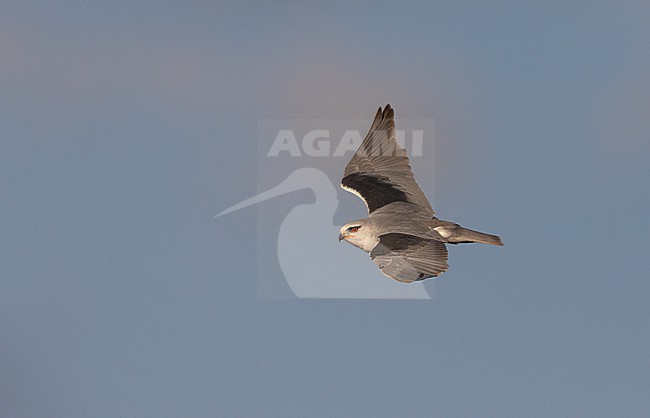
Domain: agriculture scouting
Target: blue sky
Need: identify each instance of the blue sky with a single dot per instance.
(127, 127)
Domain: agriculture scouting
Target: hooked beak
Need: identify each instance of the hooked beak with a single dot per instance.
(341, 237)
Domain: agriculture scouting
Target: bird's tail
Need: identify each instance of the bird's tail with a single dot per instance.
(456, 234)
(469, 235)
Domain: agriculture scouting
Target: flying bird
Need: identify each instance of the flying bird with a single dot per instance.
(401, 233)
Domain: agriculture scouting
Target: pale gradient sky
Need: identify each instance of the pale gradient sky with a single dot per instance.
(126, 127)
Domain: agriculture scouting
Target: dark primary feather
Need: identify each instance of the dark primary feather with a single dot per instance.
(409, 258)
(380, 171)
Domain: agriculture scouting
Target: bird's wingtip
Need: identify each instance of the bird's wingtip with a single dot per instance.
(388, 112)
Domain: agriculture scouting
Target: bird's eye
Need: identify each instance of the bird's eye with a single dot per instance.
(353, 228)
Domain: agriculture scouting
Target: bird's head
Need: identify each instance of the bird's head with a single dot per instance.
(358, 234)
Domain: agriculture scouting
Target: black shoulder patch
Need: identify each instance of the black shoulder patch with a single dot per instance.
(376, 190)
(394, 242)
(398, 242)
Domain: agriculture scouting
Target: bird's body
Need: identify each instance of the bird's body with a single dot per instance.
(402, 234)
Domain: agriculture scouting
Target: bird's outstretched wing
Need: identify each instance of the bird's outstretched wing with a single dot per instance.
(379, 172)
(408, 258)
